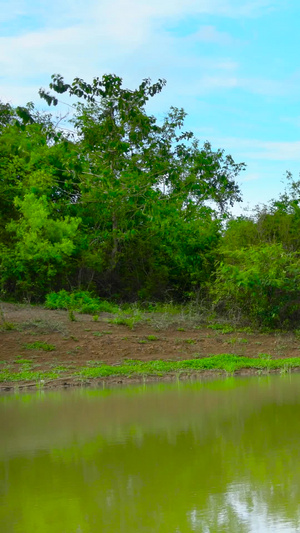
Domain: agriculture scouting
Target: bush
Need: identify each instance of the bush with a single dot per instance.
(80, 301)
(261, 283)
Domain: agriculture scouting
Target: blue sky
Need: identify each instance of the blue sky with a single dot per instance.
(233, 65)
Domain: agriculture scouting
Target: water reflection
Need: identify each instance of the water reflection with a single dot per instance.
(193, 457)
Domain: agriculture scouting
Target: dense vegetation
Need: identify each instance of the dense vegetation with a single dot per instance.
(132, 209)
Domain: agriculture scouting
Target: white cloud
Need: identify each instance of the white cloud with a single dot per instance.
(209, 34)
(254, 149)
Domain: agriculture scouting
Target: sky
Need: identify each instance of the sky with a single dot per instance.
(233, 65)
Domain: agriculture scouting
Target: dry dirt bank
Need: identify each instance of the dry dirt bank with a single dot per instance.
(85, 341)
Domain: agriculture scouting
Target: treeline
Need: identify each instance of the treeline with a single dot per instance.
(132, 209)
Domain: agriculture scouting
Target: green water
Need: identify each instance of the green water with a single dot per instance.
(220, 456)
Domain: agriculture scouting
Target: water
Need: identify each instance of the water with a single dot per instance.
(220, 456)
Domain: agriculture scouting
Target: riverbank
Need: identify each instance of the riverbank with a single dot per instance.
(44, 348)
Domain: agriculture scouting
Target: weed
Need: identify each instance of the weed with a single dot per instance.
(94, 363)
(38, 345)
(95, 318)
(190, 341)
(124, 320)
(152, 338)
(81, 301)
(236, 340)
(43, 326)
(97, 334)
(71, 314)
(23, 361)
(8, 326)
(286, 369)
(245, 329)
(143, 342)
(61, 368)
(223, 328)
(4, 323)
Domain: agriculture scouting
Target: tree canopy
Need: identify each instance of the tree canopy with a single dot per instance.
(122, 205)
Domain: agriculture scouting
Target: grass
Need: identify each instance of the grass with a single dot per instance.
(38, 345)
(228, 363)
(43, 326)
(152, 338)
(222, 328)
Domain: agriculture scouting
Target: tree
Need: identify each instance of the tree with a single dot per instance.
(148, 193)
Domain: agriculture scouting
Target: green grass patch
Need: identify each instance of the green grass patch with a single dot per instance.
(227, 362)
(27, 375)
(222, 328)
(38, 345)
(96, 369)
(125, 320)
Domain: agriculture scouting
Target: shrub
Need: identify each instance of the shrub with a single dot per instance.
(80, 301)
(261, 283)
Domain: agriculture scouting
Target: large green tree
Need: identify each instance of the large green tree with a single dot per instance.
(123, 204)
(151, 198)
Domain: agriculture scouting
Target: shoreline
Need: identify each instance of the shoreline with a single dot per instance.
(43, 349)
(72, 382)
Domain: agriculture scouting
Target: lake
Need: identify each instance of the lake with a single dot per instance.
(211, 456)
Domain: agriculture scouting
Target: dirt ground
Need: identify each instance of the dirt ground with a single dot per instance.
(84, 341)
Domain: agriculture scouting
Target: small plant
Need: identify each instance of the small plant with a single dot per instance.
(223, 328)
(286, 369)
(71, 314)
(97, 334)
(95, 318)
(245, 329)
(22, 361)
(190, 341)
(125, 320)
(264, 356)
(152, 338)
(40, 346)
(180, 329)
(4, 323)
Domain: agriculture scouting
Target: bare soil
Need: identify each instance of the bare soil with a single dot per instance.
(84, 341)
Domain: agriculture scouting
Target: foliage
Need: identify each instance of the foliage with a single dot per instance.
(123, 205)
(39, 345)
(262, 283)
(81, 301)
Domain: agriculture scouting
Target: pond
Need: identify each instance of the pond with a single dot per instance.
(215, 456)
